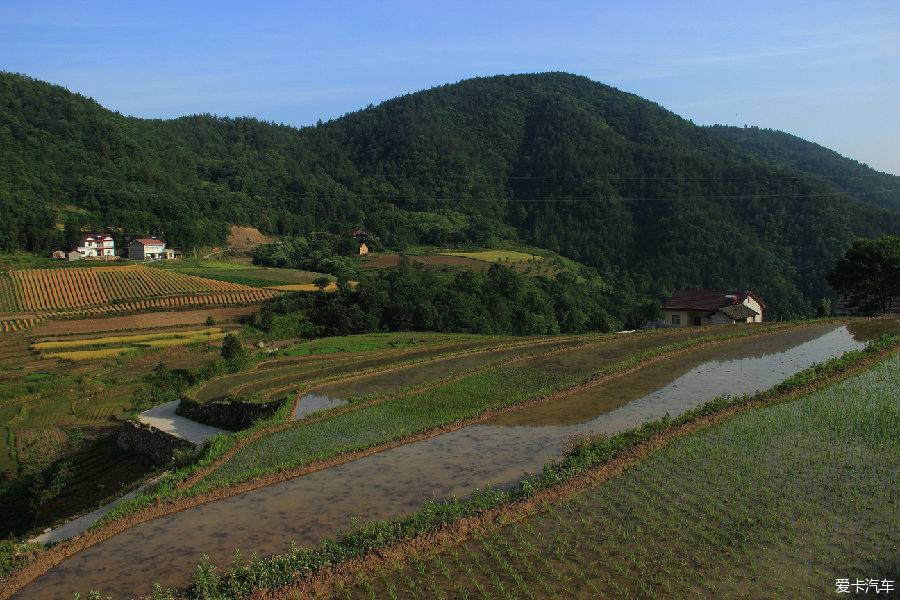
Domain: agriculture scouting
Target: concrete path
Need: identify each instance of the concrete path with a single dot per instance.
(164, 417)
(82, 523)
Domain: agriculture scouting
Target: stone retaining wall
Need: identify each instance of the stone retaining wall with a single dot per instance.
(156, 443)
(233, 416)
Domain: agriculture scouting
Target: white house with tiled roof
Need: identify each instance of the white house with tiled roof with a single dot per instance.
(94, 245)
(147, 249)
(712, 307)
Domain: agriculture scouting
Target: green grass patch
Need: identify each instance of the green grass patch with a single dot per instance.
(37, 377)
(495, 255)
(232, 272)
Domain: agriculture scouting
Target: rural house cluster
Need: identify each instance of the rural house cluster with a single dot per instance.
(102, 246)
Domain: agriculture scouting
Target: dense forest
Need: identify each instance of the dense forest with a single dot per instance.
(414, 298)
(816, 163)
(647, 200)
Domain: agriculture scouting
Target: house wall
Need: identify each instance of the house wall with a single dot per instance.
(749, 301)
(720, 318)
(686, 318)
(136, 251)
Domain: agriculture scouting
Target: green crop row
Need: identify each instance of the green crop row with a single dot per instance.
(412, 413)
(796, 495)
(385, 421)
(284, 569)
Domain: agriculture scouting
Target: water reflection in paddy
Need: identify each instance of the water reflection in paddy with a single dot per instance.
(397, 481)
(415, 375)
(579, 360)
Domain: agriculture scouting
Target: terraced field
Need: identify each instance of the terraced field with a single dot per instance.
(64, 292)
(111, 346)
(771, 504)
(384, 480)
(318, 361)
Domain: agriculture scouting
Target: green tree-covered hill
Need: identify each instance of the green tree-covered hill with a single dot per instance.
(817, 163)
(554, 160)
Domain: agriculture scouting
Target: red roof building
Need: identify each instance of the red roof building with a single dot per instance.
(147, 249)
(712, 307)
(92, 245)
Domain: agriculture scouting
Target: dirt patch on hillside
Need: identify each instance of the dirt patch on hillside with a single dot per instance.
(143, 320)
(242, 239)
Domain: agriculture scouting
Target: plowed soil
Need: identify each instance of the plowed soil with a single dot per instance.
(143, 320)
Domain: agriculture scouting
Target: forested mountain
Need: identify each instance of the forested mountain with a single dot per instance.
(651, 201)
(817, 163)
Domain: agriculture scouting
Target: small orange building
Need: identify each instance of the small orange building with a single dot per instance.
(712, 307)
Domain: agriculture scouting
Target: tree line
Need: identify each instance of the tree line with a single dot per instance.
(413, 297)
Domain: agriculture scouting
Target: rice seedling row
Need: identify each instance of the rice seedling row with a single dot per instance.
(388, 420)
(781, 502)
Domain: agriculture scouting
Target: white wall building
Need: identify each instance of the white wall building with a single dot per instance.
(94, 245)
(147, 249)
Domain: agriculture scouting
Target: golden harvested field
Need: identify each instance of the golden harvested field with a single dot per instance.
(113, 346)
(308, 287)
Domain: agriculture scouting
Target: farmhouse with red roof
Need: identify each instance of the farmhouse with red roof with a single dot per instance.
(149, 249)
(712, 307)
(94, 245)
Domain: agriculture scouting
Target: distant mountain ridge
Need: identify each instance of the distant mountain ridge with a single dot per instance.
(817, 162)
(646, 198)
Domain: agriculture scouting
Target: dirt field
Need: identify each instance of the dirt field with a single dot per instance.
(246, 238)
(142, 321)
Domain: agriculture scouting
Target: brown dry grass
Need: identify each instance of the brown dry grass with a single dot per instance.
(242, 239)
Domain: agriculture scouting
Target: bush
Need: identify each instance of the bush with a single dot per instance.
(231, 347)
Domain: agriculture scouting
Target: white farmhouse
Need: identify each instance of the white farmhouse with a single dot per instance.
(96, 245)
(147, 249)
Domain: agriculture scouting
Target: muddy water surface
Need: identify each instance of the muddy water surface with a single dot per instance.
(397, 481)
(414, 375)
(295, 371)
(581, 361)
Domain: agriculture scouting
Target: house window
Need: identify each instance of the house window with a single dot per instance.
(697, 321)
(676, 319)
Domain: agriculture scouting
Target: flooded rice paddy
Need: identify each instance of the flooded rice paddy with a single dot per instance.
(751, 503)
(290, 373)
(395, 482)
(411, 376)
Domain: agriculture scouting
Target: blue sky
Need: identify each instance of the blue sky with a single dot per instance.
(828, 71)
